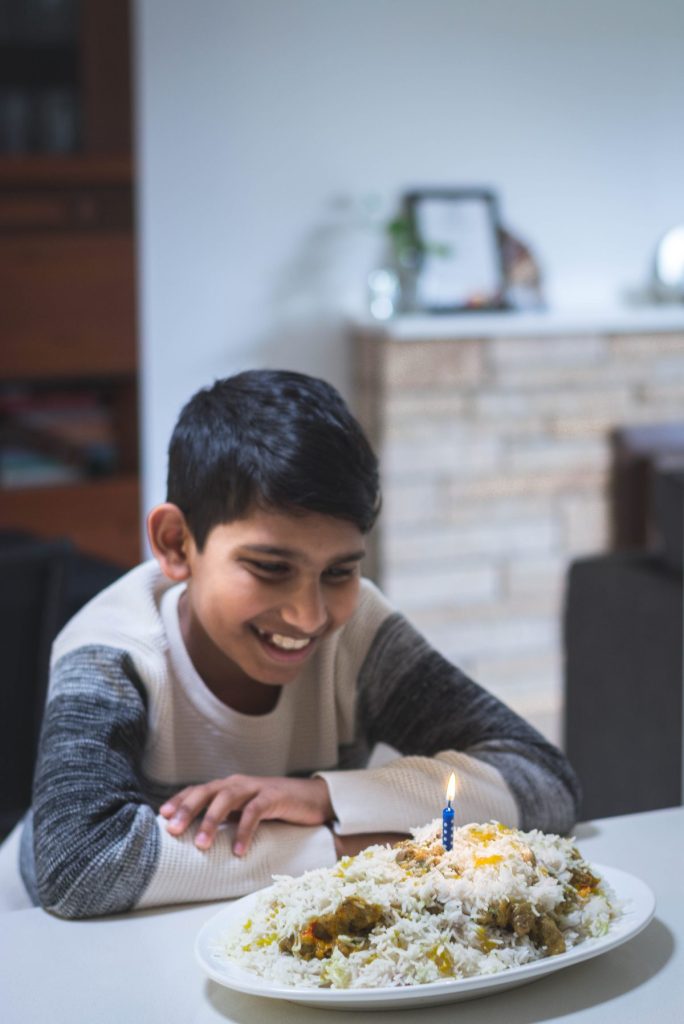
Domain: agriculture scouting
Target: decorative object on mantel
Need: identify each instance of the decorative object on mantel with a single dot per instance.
(521, 272)
(384, 293)
(458, 257)
(668, 266)
(665, 282)
(450, 254)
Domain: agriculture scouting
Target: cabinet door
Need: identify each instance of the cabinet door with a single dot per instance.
(102, 517)
(68, 305)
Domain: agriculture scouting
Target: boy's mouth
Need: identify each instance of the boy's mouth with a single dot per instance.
(280, 643)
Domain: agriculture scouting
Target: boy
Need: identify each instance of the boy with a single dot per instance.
(246, 704)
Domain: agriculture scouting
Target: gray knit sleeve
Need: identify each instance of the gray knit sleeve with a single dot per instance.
(411, 698)
(95, 839)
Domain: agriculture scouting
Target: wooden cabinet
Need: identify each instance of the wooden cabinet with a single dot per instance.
(67, 268)
(68, 345)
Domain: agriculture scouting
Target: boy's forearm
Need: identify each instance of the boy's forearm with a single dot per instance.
(409, 792)
(185, 874)
(413, 699)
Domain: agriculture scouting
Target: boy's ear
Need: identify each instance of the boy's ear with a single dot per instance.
(170, 540)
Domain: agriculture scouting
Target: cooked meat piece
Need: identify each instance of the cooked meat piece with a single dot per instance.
(502, 914)
(516, 916)
(310, 950)
(497, 914)
(522, 918)
(355, 917)
(547, 935)
(415, 858)
(347, 927)
(583, 879)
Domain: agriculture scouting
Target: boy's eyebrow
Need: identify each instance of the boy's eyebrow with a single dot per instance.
(268, 549)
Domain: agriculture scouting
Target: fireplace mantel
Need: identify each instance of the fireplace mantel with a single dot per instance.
(493, 432)
(598, 320)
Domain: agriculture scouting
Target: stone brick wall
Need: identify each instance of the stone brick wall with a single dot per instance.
(495, 456)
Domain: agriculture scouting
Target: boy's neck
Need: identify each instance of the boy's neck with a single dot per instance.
(253, 699)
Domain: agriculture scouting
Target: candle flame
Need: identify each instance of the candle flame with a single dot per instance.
(451, 788)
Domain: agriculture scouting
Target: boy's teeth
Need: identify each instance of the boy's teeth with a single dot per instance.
(287, 643)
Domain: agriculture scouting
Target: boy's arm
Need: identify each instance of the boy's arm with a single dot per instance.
(98, 845)
(411, 698)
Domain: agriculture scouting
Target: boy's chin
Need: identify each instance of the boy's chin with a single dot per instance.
(266, 673)
(277, 676)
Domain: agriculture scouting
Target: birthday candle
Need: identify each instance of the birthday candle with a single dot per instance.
(448, 815)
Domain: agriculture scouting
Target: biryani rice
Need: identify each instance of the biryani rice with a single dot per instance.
(436, 911)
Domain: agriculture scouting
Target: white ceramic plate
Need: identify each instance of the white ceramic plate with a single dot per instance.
(639, 907)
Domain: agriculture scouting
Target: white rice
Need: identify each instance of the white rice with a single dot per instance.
(411, 944)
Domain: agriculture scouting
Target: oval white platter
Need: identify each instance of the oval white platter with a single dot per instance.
(636, 897)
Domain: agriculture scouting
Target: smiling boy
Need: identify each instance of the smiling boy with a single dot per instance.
(261, 597)
(245, 703)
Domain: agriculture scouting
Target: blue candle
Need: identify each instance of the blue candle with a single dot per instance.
(448, 815)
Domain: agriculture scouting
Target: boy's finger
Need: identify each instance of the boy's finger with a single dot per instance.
(218, 811)
(188, 805)
(187, 796)
(182, 816)
(187, 810)
(252, 814)
(207, 832)
(169, 808)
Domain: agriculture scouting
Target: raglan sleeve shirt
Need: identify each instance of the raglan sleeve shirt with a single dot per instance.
(94, 843)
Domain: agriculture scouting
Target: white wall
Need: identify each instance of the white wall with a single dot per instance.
(258, 118)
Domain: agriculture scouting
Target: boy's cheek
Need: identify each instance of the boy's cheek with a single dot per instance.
(348, 606)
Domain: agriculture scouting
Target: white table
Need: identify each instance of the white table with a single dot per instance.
(140, 967)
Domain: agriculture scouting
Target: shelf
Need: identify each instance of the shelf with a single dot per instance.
(101, 516)
(73, 170)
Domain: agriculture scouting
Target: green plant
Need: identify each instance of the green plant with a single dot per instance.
(408, 247)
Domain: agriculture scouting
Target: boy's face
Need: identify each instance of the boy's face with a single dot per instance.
(265, 590)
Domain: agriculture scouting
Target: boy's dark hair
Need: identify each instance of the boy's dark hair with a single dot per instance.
(275, 439)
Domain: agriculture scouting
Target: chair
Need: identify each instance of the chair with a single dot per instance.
(42, 584)
(31, 596)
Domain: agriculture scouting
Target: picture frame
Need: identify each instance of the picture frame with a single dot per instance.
(458, 261)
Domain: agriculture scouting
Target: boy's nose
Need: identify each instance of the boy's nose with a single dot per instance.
(306, 610)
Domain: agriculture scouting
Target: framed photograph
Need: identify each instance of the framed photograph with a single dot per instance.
(458, 257)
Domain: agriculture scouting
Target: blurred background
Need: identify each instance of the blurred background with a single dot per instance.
(190, 189)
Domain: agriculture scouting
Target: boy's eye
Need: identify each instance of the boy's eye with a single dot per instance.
(271, 568)
(337, 573)
(279, 570)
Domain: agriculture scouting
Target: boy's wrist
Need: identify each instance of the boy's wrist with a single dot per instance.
(325, 803)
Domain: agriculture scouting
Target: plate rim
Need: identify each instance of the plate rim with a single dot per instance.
(452, 989)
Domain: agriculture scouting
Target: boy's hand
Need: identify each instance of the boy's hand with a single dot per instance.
(251, 797)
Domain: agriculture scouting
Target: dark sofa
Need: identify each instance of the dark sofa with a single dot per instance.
(624, 670)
